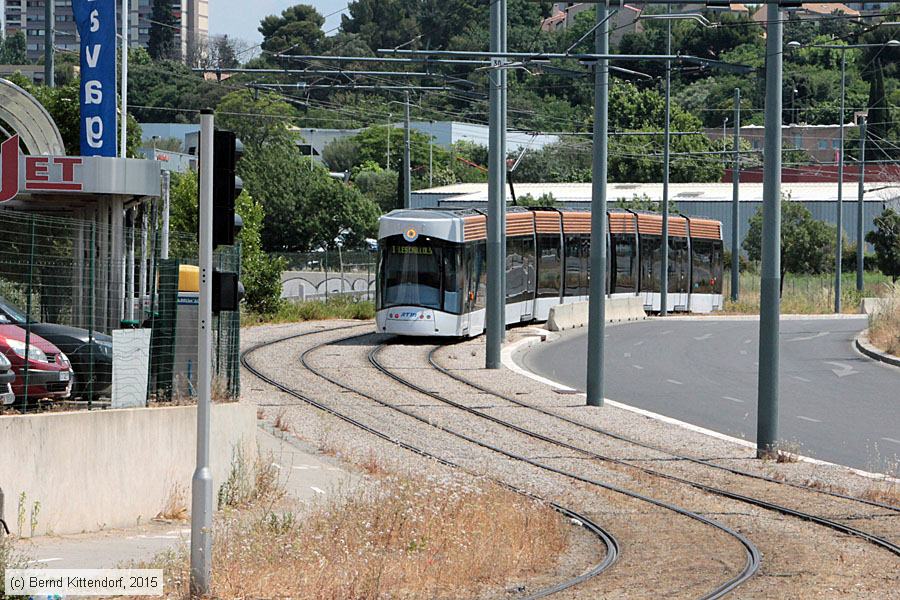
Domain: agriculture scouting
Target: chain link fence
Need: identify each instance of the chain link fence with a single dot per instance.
(322, 275)
(87, 322)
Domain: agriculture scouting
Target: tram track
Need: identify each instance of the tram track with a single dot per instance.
(751, 553)
(751, 500)
(610, 543)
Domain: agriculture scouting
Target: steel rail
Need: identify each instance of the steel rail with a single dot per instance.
(608, 540)
(753, 556)
(825, 522)
(624, 438)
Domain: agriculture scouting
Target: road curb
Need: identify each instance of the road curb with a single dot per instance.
(866, 347)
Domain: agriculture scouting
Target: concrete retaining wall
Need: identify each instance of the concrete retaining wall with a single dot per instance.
(112, 468)
(567, 316)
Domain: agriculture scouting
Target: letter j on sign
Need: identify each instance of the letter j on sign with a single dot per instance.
(96, 20)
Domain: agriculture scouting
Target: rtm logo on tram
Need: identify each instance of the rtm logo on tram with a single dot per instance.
(42, 173)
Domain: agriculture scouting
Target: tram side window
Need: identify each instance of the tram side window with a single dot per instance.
(651, 251)
(576, 271)
(625, 268)
(706, 266)
(549, 265)
(453, 281)
(476, 269)
(679, 265)
(519, 268)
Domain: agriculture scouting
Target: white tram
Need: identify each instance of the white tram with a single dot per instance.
(432, 265)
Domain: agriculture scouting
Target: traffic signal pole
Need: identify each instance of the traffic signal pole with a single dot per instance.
(201, 484)
(770, 296)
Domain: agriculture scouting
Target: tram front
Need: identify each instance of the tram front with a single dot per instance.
(419, 290)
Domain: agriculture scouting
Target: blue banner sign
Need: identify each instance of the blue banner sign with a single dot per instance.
(96, 20)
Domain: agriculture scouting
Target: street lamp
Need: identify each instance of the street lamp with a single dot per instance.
(795, 45)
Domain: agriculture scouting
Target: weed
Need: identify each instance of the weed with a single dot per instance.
(20, 517)
(249, 484)
(175, 508)
(281, 423)
(339, 307)
(10, 558)
(35, 511)
(371, 465)
(884, 325)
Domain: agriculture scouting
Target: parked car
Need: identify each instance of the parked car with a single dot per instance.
(49, 370)
(7, 376)
(74, 342)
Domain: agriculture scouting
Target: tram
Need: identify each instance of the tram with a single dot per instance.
(432, 265)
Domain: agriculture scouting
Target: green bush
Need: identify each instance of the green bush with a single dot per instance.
(339, 307)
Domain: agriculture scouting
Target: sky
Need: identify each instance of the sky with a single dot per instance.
(240, 18)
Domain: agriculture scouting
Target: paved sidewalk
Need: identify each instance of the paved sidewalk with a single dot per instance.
(307, 477)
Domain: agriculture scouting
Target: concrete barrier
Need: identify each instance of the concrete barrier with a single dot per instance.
(568, 316)
(870, 306)
(88, 471)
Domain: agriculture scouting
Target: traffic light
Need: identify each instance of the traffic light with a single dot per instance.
(226, 187)
(227, 291)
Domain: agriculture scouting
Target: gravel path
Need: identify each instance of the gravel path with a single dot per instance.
(663, 554)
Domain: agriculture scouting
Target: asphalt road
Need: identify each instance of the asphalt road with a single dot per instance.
(835, 404)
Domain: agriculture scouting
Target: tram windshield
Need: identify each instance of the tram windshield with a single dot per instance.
(422, 273)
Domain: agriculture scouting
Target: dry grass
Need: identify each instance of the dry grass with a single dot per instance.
(884, 326)
(411, 538)
(886, 493)
(281, 421)
(175, 508)
(249, 485)
(371, 465)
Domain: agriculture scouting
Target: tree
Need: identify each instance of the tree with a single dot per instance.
(644, 202)
(224, 52)
(544, 200)
(255, 119)
(162, 31)
(807, 245)
(14, 50)
(886, 239)
(305, 208)
(372, 143)
(297, 31)
(260, 273)
(341, 155)
(379, 186)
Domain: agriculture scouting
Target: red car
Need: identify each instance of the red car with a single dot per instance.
(49, 370)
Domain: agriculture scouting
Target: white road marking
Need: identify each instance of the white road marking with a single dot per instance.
(163, 537)
(705, 336)
(809, 337)
(675, 381)
(305, 467)
(666, 332)
(317, 490)
(743, 352)
(639, 367)
(732, 399)
(810, 419)
(628, 355)
(891, 440)
(639, 343)
(747, 341)
(277, 466)
(47, 560)
(842, 370)
(803, 379)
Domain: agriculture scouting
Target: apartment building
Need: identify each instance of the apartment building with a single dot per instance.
(191, 17)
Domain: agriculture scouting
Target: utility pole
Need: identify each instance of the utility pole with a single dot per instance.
(839, 242)
(407, 166)
(503, 116)
(49, 41)
(202, 484)
(860, 208)
(388, 166)
(770, 284)
(735, 199)
(664, 254)
(494, 317)
(430, 155)
(597, 303)
(164, 234)
(124, 93)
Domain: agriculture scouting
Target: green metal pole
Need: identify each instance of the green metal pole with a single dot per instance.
(597, 303)
(735, 199)
(838, 248)
(770, 300)
(407, 164)
(503, 115)
(860, 208)
(496, 194)
(664, 254)
(25, 374)
(90, 386)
